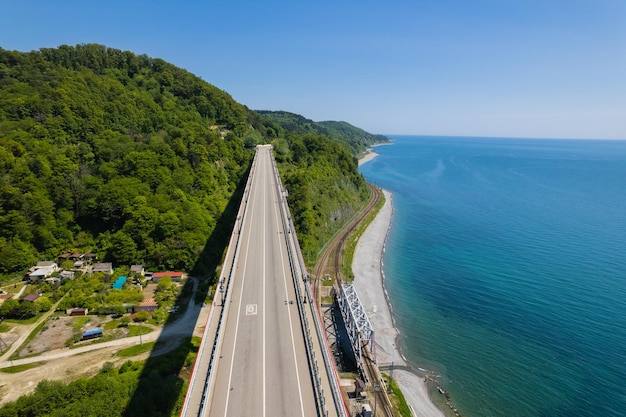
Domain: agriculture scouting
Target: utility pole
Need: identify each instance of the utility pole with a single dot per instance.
(389, 387)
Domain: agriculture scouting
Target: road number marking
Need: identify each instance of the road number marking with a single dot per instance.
(251, 309)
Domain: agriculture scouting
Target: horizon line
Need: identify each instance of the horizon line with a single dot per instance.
(502, 137)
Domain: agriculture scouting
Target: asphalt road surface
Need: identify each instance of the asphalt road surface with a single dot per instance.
(261, 368)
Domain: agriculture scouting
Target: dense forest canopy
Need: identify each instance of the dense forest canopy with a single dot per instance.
(357, 139)
(134, 159)
(110, 152)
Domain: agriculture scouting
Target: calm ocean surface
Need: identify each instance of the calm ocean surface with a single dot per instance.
(506, 268)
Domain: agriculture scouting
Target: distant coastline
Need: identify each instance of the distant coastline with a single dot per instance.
(370, 153)
(368, 156)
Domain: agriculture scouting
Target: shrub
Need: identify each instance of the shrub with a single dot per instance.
(141, 316)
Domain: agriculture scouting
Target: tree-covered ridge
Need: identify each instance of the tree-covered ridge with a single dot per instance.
(324, 184)
(357, 139)
(107, 151)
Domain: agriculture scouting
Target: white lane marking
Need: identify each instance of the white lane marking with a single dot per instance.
(293, 344)
(243, 279)
(263, 306)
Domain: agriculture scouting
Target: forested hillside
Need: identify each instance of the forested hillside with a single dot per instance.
(325, 187)
(110, 152)
(134, 159)
(357, 139)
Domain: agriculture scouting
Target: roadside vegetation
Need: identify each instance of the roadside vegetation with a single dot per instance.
(353, 239)
(397, 399)
(21, 368)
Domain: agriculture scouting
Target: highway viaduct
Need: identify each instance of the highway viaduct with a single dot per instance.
(264, 350)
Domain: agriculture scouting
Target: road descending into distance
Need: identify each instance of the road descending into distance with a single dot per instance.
(260, 360)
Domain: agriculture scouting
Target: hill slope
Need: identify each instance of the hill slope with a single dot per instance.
(134, 159)
(110, 152)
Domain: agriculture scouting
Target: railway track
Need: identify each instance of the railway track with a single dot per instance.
(335, 249)
(376, 380)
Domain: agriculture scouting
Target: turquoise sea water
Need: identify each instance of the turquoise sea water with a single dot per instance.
(506, 268)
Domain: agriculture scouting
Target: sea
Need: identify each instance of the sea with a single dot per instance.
(505, 265)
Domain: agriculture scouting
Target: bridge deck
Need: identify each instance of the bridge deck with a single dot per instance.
(260, 360)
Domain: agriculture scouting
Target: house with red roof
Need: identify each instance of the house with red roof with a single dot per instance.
(176, 276)
(31, 298)
(148, 305)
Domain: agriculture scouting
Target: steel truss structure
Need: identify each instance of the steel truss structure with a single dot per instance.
(360, 330)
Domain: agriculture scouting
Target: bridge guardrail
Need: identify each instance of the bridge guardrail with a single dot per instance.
(297, 261)
(241, 215)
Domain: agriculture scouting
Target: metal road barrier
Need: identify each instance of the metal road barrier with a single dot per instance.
(296, 262)
(241, 215)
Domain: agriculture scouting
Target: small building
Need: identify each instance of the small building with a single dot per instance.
(47, 264)
(39, 274)
(42, 270)
(92, 333)
(4, 297)
(137, 269)
(76, 311)
(67, 274)
(64, 256)
(176, 276)
(53, 280)
(89, 257)
(106, 267)
(148, 305)
(76, 256)
(31, 298)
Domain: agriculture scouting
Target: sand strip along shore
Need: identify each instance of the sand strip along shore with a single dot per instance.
(371, 154)
(369, 284)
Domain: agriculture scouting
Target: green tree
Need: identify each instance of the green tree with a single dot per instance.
(43, 304)
(9, 307)
(27, 309)
(123, 249)
(164, 283)
(16, 256)
(141, 316)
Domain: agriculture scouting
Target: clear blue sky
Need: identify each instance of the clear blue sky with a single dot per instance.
(525, 68)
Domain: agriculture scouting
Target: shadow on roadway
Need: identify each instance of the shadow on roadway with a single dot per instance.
(160, 390)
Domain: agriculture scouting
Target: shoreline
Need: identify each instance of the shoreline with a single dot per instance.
(369, 283)
(369, 155)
